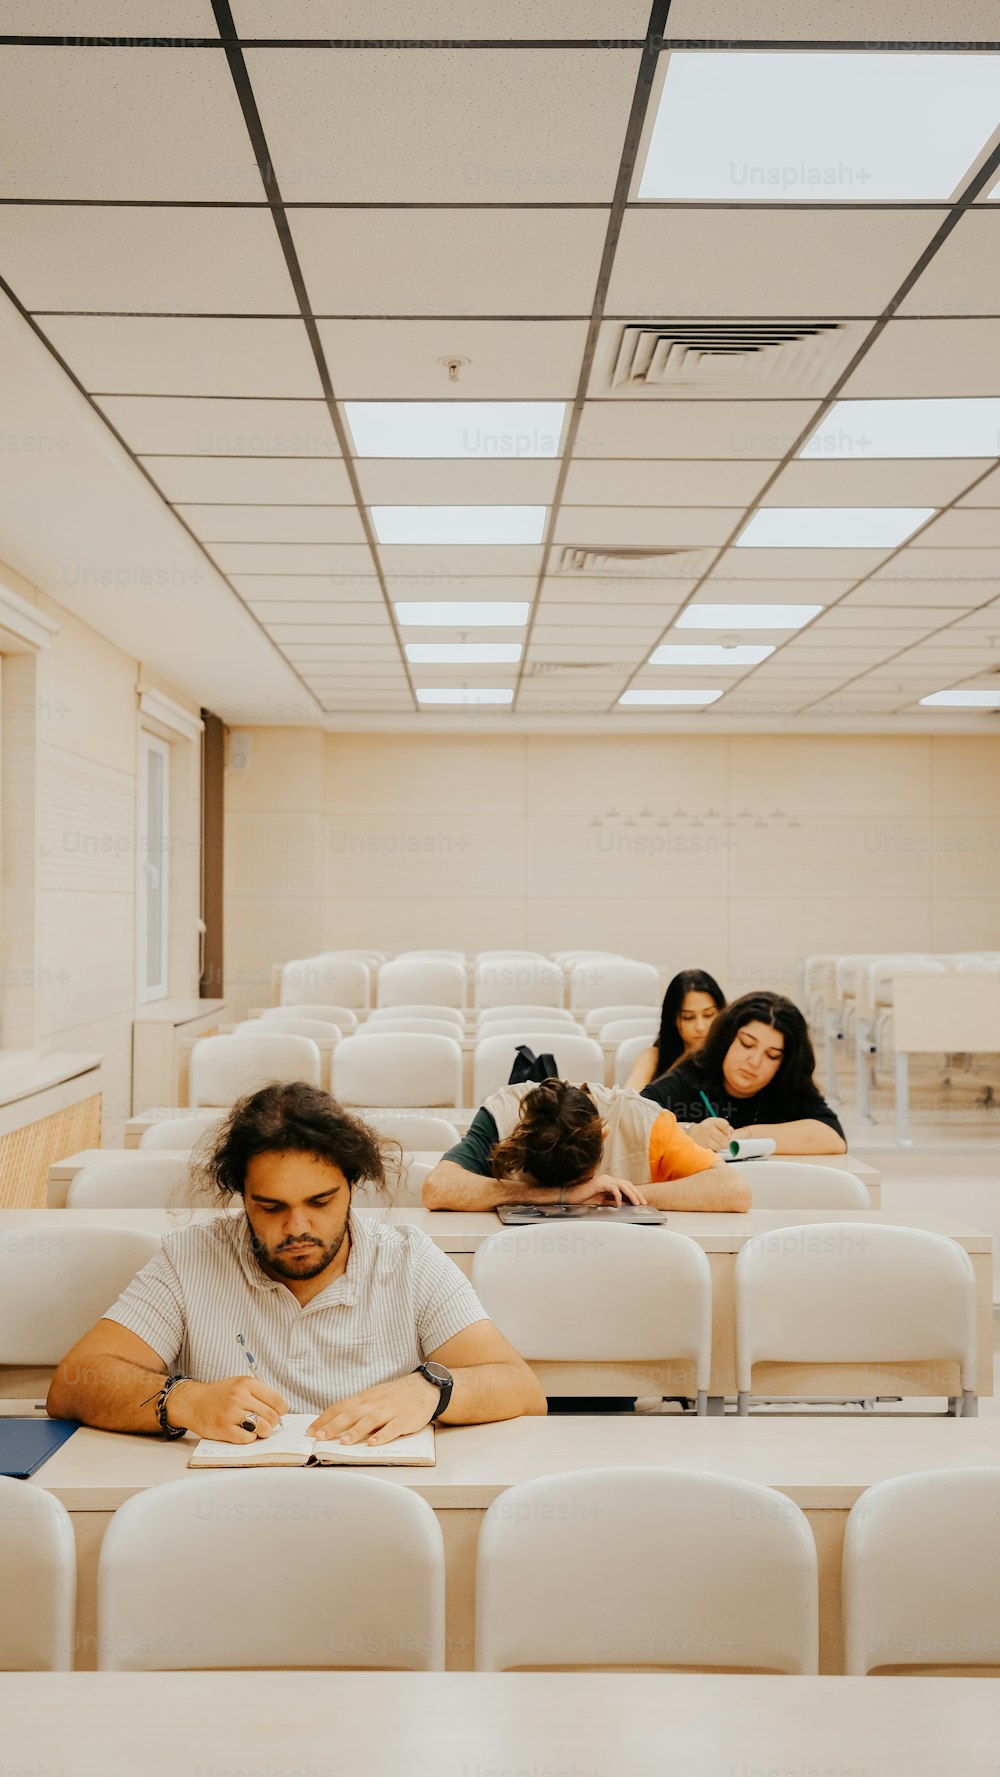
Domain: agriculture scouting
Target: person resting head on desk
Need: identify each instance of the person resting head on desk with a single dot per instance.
(579, 1144)
(369, 1326)
(689, 1005)
(753, 1077)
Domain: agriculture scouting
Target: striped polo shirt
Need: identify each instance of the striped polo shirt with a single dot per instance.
(398, 1299)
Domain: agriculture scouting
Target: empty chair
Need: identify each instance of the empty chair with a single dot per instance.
(849, 1293)
(599, 1016)
(452, 956)
(622, 1028)
(181, 1133)
(272, 1568)
(569, 958)
(394, 1014)
(489, 1017)
(281, 1017)
(222, 1069)
(626, 1056)
(921, 1574)
(426, 1027)
(526, 1023)
(630, 1568)
(397, 1069)
(794, 1184)
(37, 1580)
(317, 1028)
(55, 1282)
(509, 981)
(143, 1181)
(577, 1057)
(326, 980)
(602, 982)
(492, 956)
(403, 1189)
(636, 1299)
(409, 980)
(415, 1130)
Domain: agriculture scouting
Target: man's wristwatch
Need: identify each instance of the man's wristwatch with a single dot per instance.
(442, 1379)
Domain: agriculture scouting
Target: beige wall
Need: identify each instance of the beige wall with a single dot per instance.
(736, 853)
(70, 854)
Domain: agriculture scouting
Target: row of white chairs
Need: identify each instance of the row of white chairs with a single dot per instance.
(605, 1569)
(848, 998)
(498, 978)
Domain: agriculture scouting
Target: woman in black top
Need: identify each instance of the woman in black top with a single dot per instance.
(690, 1003)
(755, 1068)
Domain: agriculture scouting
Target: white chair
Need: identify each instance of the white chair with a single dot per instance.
(37, 1580)
(223, 1069)
(398, 1070)
(921, 1574)
(568, 959)
(56, 1281)
(181, 1133)
(383, 1015)
(620, 1029)
(794, 1184)
(577, 1057)
(594, 1293)
(403, 1189)
(626, 1056)
(272, 1568)
(415, 1130)
(143, 1181)
(849, 1293)
(601, 983)
(330, 979)
(409, 980)
(415, 1027)
(317, 1028)
(529, 1027)
(509, 981)
(490, 1017)
(451, 956)
(599, 1016)
(494, 956)
(281, 1017)
(639, 1568)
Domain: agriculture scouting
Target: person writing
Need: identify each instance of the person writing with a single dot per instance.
(579, 1144)
(689, 1005)
(368, 1326)
(753, 1077)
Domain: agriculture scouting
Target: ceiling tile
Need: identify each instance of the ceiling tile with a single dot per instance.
(878, 22)
(915, 481)
(438, 20)
(598, 527)
(930, 358)
(717, 590)
(964, 275)
(658, 483)
(965, 529)
(616, 617)
(343, 635)
(505, 360)
(254, 523)
(142, 355)
(487, 126)
(292, 558)
(741, 430)
(194, 428)
(587, 589)
(457, 481)
(434, 563)
(755, 261)
(356, 588)
(916, 594)
(461, 586)
(274, 612)
(848, 616)
(121, 19)
(275, 481)
(955, 565)
(798, 564)
(450, 262)
(987, 493)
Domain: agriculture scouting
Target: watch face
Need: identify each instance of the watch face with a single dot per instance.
(438, 1373)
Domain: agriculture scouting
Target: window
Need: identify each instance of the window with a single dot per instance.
(154, 866)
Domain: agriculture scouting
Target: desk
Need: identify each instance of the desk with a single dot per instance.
(47, 1104)
(163, 1034)
(822, 1464)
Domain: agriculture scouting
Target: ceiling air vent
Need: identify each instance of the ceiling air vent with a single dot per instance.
(723, 358)
(542, 669)
(653, 562)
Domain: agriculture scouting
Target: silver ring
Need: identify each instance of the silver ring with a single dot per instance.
(249, 1423)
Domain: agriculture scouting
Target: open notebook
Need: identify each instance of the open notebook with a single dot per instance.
(290, 1447)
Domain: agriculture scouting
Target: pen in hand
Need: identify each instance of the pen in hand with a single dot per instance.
(251, 1360)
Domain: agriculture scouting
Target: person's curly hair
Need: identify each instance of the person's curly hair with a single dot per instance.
(293, 1116)
(557, 1141)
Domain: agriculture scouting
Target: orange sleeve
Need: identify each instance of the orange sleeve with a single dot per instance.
(672, 1154)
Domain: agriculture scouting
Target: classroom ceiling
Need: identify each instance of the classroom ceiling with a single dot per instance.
(520, 360)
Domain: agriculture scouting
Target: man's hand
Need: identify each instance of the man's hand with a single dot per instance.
(715, 1134)
(379, 1414)
(215, 1409)
(603, 1189)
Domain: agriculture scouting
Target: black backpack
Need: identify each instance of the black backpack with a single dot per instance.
(529, 1066)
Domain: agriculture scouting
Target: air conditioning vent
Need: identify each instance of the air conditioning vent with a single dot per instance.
(653, 562)
(541, 669)
(730, 358)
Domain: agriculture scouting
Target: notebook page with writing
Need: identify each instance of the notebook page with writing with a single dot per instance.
(289, 1446)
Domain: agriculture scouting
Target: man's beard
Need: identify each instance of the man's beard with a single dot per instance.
(299, 1270)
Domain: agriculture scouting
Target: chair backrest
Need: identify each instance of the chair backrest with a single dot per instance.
(500, 1016)
(513, 980)
(493, 956)
(416, 1130)
(599, 1293)
(342, 1016)
(577, 1057)
(55, 1282)
(626, 1056)
(404, 1186)
(396, 1014)
(352, 1570)
(794, 1184)
(180, 1132)
(142, 1181)
(601, 983)
(568, 959)
(397, 1069)
(327, 979)
(620, 1029)
(912, 1297)
(37, 1580)
(527, 1024)
(413, 980)
(222, 1069)
(651, 1567)
(425, 1027)
(599, 1016)
(451, 956)
(921, 1573)
(317, 1028)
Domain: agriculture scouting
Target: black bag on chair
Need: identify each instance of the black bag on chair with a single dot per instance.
(529, 1066)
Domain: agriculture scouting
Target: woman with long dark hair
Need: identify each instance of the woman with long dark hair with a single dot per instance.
(690, 1003)
(753, 1076)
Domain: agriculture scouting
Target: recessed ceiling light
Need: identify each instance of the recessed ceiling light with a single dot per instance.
(487, 430)
(462, 613)
(947, 426)
(459, 524)
(710, 654)
(833, 527)
(668, 697)
(461, 653)
(957, 700)
(835, 126)
(746, 616)
(462, 694)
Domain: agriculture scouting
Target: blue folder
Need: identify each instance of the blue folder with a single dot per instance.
(26, 1443)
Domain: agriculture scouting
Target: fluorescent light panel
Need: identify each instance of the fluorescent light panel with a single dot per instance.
(833, 527)
(963, 700)
(832, 126)
(462, 653)
(950, 426)
(459, 524)
(485, 430)
(710, 654)
(677, 699)
(461, 613)
(746, 616)
(462, 694)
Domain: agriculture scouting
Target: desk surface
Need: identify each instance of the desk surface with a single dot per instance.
(23, 1072)
(819, 1463)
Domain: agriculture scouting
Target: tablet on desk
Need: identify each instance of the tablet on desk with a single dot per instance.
(517, 1214)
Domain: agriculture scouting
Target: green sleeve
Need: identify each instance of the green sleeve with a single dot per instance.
(473, 1152)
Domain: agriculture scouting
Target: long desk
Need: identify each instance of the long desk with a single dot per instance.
(824, 1465)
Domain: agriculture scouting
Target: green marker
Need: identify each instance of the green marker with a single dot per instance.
(705, 1102)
